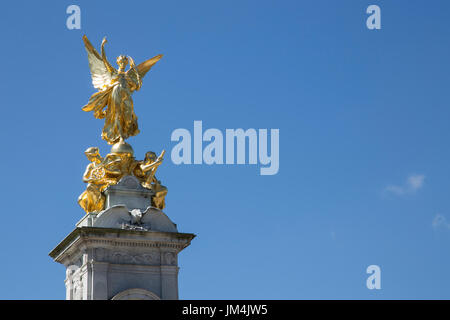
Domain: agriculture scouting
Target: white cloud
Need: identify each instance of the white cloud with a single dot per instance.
(412, 184)
(395, 189)
(415, 182)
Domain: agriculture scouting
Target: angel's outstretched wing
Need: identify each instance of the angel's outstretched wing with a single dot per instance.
(136, 73)
(101, 76)
(143, 67)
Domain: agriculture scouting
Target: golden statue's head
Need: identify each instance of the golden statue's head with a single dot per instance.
(150, 156)
(122, 62)
(93, 154)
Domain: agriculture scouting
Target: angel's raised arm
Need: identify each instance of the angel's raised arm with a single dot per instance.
(108, 66)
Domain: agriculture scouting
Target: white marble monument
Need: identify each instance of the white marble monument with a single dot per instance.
(127, 251)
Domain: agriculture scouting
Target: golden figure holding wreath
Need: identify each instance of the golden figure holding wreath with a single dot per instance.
(115, 89)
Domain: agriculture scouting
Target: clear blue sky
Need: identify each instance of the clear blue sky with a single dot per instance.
(364, 154)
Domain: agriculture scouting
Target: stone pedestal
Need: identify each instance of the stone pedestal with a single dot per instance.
(127, 251)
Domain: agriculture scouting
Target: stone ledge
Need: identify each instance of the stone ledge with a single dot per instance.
(121, 237)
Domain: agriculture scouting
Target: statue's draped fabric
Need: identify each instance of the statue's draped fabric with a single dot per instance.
(120, 119)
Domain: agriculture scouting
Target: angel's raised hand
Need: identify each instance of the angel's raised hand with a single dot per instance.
(131, 62)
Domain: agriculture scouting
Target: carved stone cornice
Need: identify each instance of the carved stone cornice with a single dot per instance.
(82, 239)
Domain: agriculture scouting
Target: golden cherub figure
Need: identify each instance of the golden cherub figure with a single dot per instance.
(149, 167)
(92, 199)
(101, 173)
(115, 89)
(145, 171)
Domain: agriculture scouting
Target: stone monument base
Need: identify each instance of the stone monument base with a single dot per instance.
(127, 251)
(105, 263)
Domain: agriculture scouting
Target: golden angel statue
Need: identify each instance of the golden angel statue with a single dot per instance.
(115, 89)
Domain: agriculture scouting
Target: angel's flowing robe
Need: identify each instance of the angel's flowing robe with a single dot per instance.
(120, 119)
